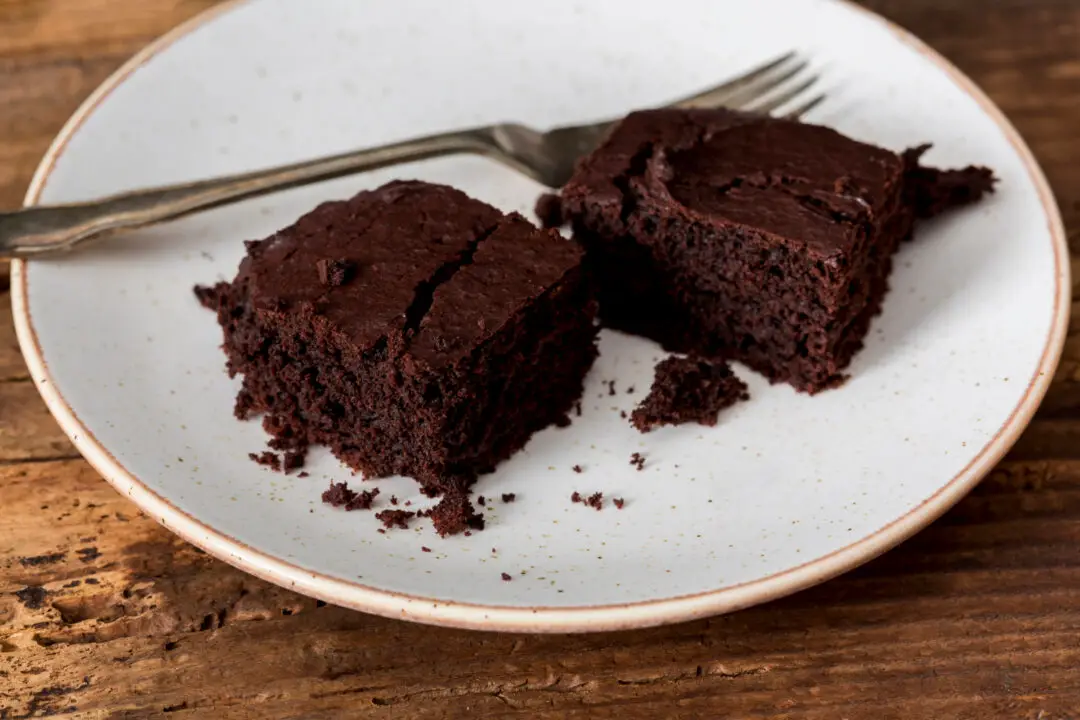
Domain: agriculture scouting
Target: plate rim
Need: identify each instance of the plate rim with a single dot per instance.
(551, 619)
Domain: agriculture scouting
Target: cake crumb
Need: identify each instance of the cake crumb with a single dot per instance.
(333, 273)
(303, 474)
(596, 500)
(622, 414)
(611, 387)
(395, 518)
(688, 390)
(393, 500)
(455, 514)
(509, 497)
(339, 495)
(630, 390)
(577, 468)
(577, 408)
(638, 460)
(293, 460)
(482, 501)
(268, 459)
(618, 502)
(549, 210)
(425, 549)
(506, 577)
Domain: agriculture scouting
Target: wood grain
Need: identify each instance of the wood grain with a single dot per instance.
(103, 614)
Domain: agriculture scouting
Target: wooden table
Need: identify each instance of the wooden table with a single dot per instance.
(105, 614)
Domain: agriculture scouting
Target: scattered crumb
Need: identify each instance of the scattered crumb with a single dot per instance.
(303, 474)
(382, 531)
(408, 503)
(630, 390)
(596, 500)
(425, 549)
(393, 500)
(622, 414)
(619, 502)
(267, 458)
(639, 460)
(688, 390)
(577, 468)
(610, 387)
(482, 501)
(492, 551)
(506, 577)
(293, 460)
(339, 494)
(395, 518)
(455, 514)
(577, 408)
(467, 533)
(509, 497)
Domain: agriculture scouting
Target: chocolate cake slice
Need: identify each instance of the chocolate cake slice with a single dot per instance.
(739, 236)
(688, 390)
(412, 330)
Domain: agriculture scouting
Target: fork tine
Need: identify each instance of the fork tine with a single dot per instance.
(769, 104)
(720, 94)
(749, 95)
(799, 111)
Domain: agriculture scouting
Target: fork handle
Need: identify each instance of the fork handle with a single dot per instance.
(48, 228)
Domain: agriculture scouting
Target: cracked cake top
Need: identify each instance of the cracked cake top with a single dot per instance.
(799, 182)
(412, 266)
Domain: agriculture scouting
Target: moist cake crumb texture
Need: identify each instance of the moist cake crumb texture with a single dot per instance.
(688, 390)
(738, 236)
(411, 329)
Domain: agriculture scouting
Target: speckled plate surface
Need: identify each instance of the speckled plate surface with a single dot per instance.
(785, 492)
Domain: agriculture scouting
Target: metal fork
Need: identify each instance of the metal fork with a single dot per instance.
(547, 157)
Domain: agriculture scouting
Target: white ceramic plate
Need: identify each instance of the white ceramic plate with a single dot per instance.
(787, 491)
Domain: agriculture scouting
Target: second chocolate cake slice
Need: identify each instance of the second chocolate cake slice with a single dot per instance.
(411, 329)
(746, 237)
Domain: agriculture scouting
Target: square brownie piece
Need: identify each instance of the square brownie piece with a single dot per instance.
(412, 330)
(740, 236)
